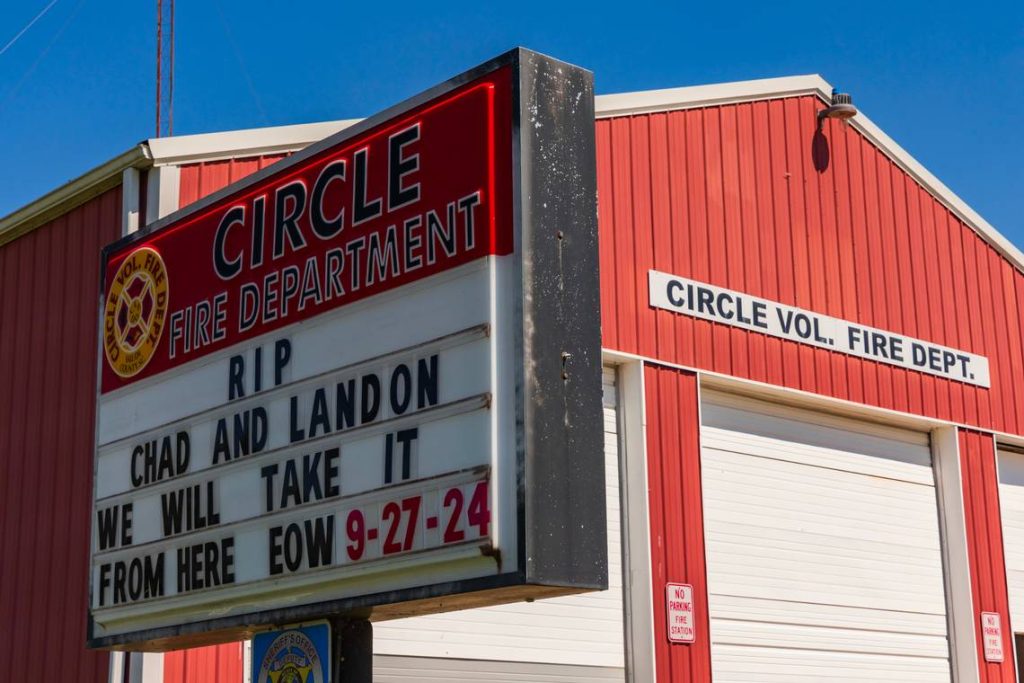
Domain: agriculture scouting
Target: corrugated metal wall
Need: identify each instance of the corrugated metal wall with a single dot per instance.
(203, 178)
(216, 663)
(730, 195)
(677, 517)
(49, 283)
(985, 547)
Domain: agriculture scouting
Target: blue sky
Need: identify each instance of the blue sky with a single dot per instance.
(946, 81)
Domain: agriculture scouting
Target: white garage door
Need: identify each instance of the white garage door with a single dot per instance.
(1011, 500)
(568, 640)
(824, 560)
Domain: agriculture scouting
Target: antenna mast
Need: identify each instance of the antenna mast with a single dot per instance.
(164, 68)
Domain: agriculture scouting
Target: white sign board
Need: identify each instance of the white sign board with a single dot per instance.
(737, 309)
(326, 388)
(679, 608)
(992, 636)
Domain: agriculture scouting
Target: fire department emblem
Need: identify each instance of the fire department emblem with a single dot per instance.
(134, 313)
(291, 658)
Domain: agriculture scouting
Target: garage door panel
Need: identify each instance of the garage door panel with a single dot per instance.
(743, 664)
(788, 591)
(811, 428)
(860, 575)
(1011, 469)
(824, 555)
(845, 524)
(828, 490)
(588, 618)
(812, 637)
(780, 473)
(1015, 586)
(848, 528)
(1011, 501)
(843, 530)
(720, 408)
(794, 612)
(788, 588)
(587, 638)
(745, 539)
(852, 503)
(430, 670)
(781, 448)
(804, 578)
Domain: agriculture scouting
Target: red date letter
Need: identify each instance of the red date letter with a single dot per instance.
(479, 513)
(393, 513)
(412, 506)
(356, 527)
(452, 533)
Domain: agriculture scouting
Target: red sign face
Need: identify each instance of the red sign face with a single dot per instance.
(414, 196)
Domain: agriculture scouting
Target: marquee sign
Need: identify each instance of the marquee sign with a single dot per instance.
(364, 378)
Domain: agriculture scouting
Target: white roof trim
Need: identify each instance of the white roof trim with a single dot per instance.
(627, 104)
(62, 199)
(648, 101)
(183, 149)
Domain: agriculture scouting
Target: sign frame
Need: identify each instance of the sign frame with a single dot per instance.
(560, 500)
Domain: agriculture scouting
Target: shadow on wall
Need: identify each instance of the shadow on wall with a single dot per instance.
(819, 150)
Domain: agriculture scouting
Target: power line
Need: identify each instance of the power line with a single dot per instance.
(42, 55)
(27, 27)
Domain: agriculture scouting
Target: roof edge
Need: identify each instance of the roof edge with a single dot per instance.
(169, 151)
(689, 97)
(182, 149)
(71, 194)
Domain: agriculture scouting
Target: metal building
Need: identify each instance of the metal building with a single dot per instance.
(841, 515)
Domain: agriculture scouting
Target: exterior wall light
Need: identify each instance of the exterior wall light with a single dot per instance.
(841, 108)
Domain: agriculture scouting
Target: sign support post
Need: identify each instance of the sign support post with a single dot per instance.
(353, 650)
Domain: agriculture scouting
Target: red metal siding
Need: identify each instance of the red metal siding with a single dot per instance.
(220, 663)
(49, 283)
(985, 547)
(730, 195)
(206, 177)
(677, 518)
